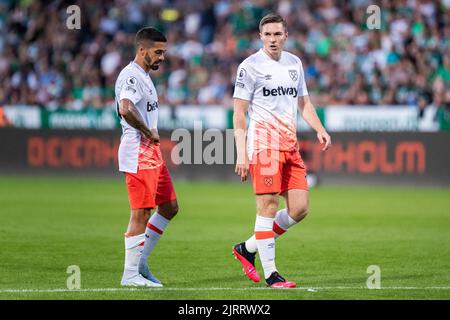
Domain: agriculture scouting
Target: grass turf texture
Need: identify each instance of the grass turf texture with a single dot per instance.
(47, 224)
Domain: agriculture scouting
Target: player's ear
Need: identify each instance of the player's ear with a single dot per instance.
(143, 49)
(140, 50)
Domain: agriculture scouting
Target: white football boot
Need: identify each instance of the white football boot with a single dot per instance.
(136, 280)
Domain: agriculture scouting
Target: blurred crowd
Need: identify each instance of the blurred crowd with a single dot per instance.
(406, 61)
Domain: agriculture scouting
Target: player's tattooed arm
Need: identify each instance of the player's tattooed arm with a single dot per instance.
(129, 112)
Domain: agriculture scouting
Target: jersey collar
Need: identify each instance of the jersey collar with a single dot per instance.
(139, 68)
(269, 57)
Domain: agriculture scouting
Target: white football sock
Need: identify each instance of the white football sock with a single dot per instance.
(133, 247)
(154, 230)
(282, 222)
(266, 244)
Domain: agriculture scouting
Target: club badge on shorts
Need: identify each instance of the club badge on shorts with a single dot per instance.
(268, 181)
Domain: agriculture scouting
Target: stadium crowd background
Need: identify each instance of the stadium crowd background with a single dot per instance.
(406, 62)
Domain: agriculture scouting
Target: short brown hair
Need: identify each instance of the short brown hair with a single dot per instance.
(272, 18)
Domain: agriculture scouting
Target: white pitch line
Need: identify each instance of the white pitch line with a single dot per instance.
(310, 289)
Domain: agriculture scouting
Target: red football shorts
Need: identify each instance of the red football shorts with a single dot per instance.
(149, 188)
(277, 171)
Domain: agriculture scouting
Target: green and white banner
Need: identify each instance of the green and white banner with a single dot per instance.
(371, 118)
(186, 116)
(103, 119)
(23, 116)
(334, 118)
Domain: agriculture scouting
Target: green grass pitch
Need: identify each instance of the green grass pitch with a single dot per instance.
(48, 224)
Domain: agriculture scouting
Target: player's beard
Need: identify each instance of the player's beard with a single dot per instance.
(148, 61)
(155, 66)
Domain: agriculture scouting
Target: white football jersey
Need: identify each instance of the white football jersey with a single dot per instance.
(272, 88)
(135, 151)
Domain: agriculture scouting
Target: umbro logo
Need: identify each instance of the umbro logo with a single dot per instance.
(268, 77)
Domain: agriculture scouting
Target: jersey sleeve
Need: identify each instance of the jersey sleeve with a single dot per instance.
(131, 90)
(245, 83)
(302, 90)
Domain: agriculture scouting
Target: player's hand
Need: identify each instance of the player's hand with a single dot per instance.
(242, 168)
(324, 138)
(152, 135)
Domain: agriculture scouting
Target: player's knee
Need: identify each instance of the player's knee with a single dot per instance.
(299, 213)
(140, 216)
(173, 210)
(168, 210)
(268, 208)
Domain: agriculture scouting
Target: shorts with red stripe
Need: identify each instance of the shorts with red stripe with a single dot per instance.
(150, 187)
(274, 171)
